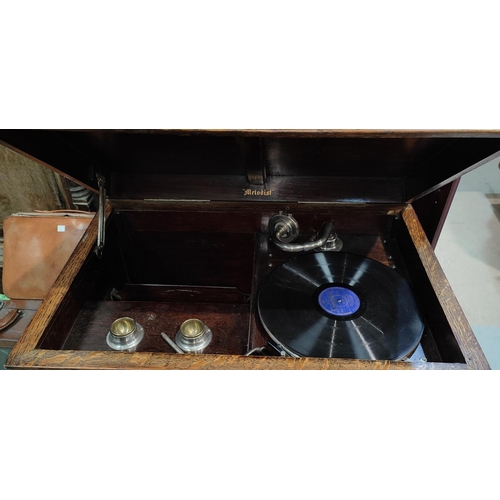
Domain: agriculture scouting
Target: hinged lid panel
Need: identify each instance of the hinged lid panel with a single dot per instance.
(321, 166)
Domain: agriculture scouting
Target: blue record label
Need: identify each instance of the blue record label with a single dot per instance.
(339, 301)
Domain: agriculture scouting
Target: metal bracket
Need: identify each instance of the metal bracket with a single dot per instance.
(284, 229)
(284, 226)
(101, 182)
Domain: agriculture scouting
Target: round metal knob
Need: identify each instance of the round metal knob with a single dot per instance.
(192, 328)
(124, 334)
(193, 336)
(284, 227)
(123, 326)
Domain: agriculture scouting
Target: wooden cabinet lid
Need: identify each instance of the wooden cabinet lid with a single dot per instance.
(351, 166)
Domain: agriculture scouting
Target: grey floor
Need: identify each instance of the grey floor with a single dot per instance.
(469, 252)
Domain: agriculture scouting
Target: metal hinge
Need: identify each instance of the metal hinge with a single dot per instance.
(101, 182)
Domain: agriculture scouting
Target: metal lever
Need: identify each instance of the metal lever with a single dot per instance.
(101, 182)
(171, 343)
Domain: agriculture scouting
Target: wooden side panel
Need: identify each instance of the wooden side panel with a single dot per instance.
(50, 149)
(93, 360)
(433, 209)
(455, 317)
(442, 168)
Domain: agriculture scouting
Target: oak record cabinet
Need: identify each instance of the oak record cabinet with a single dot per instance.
(187, 236)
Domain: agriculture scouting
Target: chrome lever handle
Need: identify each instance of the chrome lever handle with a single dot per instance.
(101, 182)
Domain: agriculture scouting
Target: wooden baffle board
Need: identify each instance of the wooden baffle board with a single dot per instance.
(188, 229)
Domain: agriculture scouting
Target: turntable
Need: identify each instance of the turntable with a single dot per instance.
(335, 305)
(329, 305)
(255, 250)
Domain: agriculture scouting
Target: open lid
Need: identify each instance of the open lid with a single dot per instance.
(279, 165)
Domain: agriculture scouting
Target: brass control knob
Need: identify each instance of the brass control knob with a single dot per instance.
(123, 326)
(124, 334)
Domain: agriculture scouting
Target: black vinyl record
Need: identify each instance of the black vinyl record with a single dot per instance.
(340, 305)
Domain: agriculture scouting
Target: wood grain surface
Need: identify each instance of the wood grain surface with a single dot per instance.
(455, 316)
(93, 360)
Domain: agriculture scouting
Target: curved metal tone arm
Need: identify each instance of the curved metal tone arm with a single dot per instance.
(324, 233)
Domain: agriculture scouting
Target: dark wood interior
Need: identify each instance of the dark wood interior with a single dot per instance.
(166, 263)
(340, 166)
